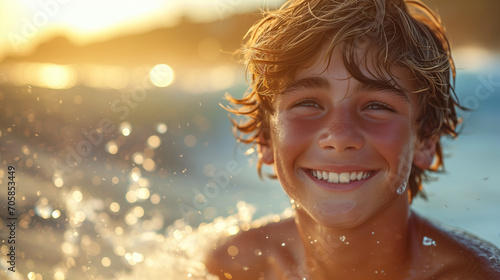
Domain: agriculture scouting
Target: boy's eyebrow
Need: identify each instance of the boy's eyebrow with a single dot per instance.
(308, 83)
(383, 87)
(322, 83)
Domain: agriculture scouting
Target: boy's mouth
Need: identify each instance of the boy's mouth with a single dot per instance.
(342, 178)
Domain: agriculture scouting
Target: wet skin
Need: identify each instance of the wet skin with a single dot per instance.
(359, 229)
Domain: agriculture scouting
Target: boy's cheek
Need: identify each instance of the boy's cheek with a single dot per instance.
(394, 141)
(293, 132)
(389, 128)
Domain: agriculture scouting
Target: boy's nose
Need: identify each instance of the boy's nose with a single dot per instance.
(341, 133)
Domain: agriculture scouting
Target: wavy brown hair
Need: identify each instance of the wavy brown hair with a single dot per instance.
(399, 33)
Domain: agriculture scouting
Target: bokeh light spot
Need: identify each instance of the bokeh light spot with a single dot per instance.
(115, 207)
(161, 75)
(131, 196)
(137, 158)
(135, 174)
(149, 164)
(130, 219)
(56, 214)
(143, 182)
(143, 193)
(106, 262)
(161, 128)
(154, 141)
(77, 196)
(59, 275)
(32, 275)
(155, 199)
(125, 128)
(190, 140)
(119, 231)
(112, 147)
(43, 208)
(58, 182)
(120, 251)
(138, 211)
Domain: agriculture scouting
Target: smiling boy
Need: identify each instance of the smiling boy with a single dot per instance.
(348, 103)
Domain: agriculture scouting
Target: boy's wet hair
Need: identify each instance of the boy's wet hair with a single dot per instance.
(396, 32)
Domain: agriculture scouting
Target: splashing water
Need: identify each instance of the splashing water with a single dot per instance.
(182, 253)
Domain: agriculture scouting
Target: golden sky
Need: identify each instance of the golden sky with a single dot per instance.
(26, 23)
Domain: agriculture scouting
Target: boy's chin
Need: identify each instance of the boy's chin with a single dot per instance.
(335, 214)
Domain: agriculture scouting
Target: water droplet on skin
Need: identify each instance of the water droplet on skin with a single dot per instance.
(402, 188)
(428, 241)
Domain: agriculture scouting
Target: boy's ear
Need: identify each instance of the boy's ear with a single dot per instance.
(424, 153)
(265, 150)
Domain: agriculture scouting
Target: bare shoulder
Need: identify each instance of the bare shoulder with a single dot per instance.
(481, 258)
(249, 254)
(458, 254)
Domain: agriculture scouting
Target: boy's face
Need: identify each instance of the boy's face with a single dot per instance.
(362, 138)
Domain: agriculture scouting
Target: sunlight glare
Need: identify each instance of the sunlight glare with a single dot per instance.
(55, 76)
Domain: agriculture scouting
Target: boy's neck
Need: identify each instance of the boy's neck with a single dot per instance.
(380, 245)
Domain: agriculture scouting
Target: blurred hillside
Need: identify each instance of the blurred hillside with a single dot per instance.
(468, 23)
(184, 44)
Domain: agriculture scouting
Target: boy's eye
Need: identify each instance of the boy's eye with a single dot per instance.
(308, 102)
(377, 105)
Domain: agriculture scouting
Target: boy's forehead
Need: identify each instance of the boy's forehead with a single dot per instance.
(333, 66)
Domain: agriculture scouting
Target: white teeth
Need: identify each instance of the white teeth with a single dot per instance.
(344, 177)
(333, 177)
